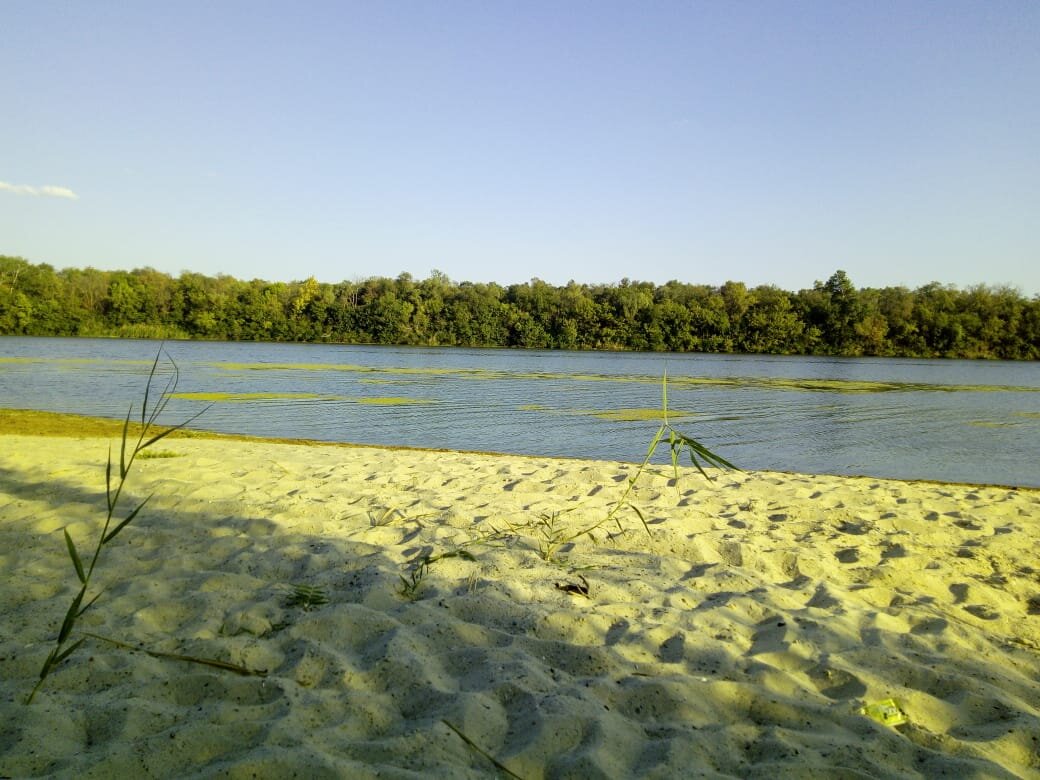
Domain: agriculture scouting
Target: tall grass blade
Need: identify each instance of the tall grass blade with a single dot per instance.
(675, 447)
(47, 665)
(111, 534)
(498, 764)
(108, 481)
(53, 660)
(68, 651)
(173, 429)
(664, 399)
(211, 662)
(128, 452)
(71, 615)
(90, 603)
(75, 557)
(642, 518)
(656, 440)
(148, 384)
(122, 446)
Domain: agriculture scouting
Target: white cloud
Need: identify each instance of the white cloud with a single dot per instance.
(49, 191)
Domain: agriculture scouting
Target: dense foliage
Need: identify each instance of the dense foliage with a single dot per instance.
(832, 317)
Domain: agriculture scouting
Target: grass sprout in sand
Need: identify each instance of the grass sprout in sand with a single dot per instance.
(550, 531)
(307, 597)
(116, 476)
(419, 566)
(678, 445)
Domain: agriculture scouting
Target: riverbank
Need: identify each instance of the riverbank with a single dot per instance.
(740, 637)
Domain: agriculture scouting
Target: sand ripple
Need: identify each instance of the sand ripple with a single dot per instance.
(738, 639)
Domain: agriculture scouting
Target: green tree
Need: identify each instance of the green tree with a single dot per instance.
(839, 328)
(770, 323)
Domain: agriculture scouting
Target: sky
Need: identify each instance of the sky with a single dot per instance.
(502, 140)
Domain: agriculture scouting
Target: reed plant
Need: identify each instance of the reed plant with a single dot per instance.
(307, 597)
(117, 518)
(678, 444)
(419, 567)
(551, 534)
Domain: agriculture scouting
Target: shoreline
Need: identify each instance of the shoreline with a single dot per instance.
(740, 636)
(34, 422)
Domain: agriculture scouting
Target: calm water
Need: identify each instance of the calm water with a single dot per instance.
(964, 421)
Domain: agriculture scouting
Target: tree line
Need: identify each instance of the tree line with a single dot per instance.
(830, 318)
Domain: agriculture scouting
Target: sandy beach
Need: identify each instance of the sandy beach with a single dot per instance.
(740, 637)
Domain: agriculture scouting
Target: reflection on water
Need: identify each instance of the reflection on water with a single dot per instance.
(967, 421)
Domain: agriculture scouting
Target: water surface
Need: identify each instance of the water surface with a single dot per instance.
(964, 421)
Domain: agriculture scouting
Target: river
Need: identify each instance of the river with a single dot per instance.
(954, 421)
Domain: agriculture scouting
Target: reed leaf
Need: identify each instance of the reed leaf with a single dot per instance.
(122, 448)
(68, 650)
(111, 534)
(480, 751)
(75, 557)
(89, 604)
(108, 481)
(128, 452)
(193, 659)
(71, 615)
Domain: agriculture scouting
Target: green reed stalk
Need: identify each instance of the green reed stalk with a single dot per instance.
(128, 453)
(678, 443)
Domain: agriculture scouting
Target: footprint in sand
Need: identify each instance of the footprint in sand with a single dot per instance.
(671, 649)
(698, 570)
(982, 612)
(731, 553)
(823, 599)
(616, 632)
(836, 684)
(769, 636)
(960, 592)
(934, 625)
(854, 529)
(848, 555)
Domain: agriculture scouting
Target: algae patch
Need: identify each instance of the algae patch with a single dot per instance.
(254, 397)
(638, 415)
(768, 383)
(248, 397)
(394, 401)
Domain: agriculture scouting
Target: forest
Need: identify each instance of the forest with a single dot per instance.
(832, 317)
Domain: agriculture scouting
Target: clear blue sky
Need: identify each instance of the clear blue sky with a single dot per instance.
(764, 142)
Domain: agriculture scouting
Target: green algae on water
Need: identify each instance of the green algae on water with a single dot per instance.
(394, 401)
(247, 397)
(769, 383)
(251, 397)
(639, 415)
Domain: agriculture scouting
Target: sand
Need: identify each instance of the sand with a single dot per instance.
(740, 638)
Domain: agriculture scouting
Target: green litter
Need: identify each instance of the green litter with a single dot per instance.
(886, 712)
